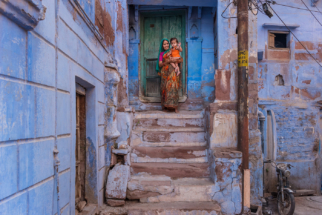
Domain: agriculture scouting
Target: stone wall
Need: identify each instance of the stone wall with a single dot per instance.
(39, 68)
(290, 86)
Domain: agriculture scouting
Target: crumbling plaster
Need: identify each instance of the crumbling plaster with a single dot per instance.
(295, 103)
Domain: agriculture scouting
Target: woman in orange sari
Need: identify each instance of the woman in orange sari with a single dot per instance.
(170, 82)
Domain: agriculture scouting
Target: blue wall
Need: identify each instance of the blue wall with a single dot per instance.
(38, 73)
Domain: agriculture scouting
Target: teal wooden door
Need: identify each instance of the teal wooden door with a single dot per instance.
(154, 27)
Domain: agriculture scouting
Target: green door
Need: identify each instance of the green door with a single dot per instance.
(155, 27)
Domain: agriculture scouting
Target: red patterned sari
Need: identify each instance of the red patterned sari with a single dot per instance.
(170, 85)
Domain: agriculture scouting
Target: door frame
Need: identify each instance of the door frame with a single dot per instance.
(142, 77)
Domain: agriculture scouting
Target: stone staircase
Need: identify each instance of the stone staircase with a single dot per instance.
(169, 162)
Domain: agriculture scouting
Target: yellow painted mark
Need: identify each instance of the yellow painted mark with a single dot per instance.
(243, 58)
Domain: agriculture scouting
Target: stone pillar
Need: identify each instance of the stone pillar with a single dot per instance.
(111, 79)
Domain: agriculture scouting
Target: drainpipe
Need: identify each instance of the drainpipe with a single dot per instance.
(242, 104)
(261, 118)
(56, 164)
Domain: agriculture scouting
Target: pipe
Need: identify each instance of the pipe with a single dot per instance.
(261, 118)
(56, 164)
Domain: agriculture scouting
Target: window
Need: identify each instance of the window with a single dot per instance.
(278, 40)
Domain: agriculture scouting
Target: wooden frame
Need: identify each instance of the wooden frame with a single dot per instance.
(142, 77)
(271, 39)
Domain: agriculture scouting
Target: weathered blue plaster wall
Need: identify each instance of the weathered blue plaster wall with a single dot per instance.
(294, 103)
(38, 72)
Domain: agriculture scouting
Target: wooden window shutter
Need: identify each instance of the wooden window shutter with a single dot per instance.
(271, 40)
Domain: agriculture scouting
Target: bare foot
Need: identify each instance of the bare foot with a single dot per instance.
(176, 110)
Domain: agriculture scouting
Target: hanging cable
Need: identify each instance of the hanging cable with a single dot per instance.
(275, 3)
(222, 15)
(311, 13)
(296, 37)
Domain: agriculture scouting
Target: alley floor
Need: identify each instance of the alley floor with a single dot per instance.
(305, 205)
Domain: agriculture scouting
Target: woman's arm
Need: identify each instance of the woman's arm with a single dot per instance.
(161, 64)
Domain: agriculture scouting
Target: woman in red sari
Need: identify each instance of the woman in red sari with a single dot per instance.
(170, 82)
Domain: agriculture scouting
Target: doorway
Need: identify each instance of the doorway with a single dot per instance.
(154, 27)
(80, 149)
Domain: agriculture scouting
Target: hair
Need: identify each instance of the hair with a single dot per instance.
(174, 39)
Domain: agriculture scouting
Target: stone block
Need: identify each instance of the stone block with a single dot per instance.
(101, 156)
(45, 112)
(64, 145)
(64, 191)
(35, 162)
(101, 111)
(67, 40)
(224, 130)
(146, 186)
(16, 205)
(120, 151)
(98, 69)
(156, 136)
(41, 61)
(84, 56)
(113, 159)
(101, 140)
(139, 194)
(100, 92)
(101, 178)
(17, 112)
(41, 198)
(63, 72)
(117, 182)
(222, 83)
(46, 27)
(13, 49)
(115, 202)
(63, 113)
(124, 125)
(8, 170)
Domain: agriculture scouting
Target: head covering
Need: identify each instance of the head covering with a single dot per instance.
(162, 50)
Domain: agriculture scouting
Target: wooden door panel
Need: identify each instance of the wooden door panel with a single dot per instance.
(157, 26)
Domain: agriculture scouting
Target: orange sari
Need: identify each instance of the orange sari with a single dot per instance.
(170, 86)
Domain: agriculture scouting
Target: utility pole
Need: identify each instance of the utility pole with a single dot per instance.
(243, 129)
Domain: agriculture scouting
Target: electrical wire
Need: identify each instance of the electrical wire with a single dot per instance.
(222, 14)
(296, 37)
(311, 13)
(295, 7)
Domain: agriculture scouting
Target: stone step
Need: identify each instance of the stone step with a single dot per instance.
(175, 170)
(168, 123)
(169, 115)
(170, 129)
(164, 189)
(143, 154)
(174, 208)
(164, 208)
(172, 144)
(153, 136)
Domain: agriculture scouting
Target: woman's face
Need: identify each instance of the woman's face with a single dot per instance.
(165, 45)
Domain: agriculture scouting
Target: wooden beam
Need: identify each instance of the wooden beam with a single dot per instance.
(188, 3)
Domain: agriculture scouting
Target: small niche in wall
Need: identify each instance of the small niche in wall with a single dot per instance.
(132, 34)
(194, 32)
(279, 81)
